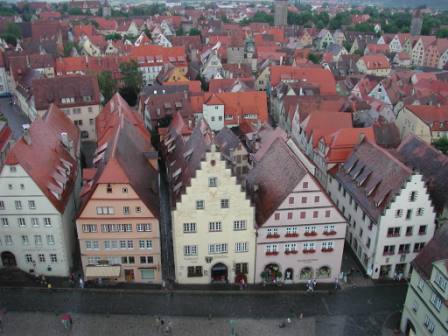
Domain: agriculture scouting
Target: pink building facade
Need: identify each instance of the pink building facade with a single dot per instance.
(301, 232)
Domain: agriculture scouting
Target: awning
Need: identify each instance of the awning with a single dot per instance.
(103, 271)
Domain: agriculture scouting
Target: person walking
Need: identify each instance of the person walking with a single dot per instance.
(81, 282)
(309, 286)
(336, 283)
(314, 284)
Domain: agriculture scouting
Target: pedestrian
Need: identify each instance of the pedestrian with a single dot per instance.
(66, 320)
(81, 283)
(309, 284)
(314, 284)
(72, 279)
(336, 283)
(157, 323)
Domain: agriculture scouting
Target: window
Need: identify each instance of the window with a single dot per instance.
(327, 213)
(38, 240)
(393, 232)
(389, 250)
(28, 258)
(190, 250)
(326, 245)
(436, 301)
(126, 210)
(289, 247)
(412, 196)
(5, 221)
(10, 186)
(108, 190)
(214, 226)
(241, 247)
(8, 240)
(404, 248)
(41, 258)
(2, 205)
(142, 227)
(310, 229)
(368, 242)
(88, 227)
(420, 211)
(241, 268)
(309, 246)
(305, 185)
(302, 214)
(200, 205)
(50, 240)
(271, 248)
(53, 258)
(291, 230)
(217, 248)
(418, 247)
(138, 209)
(128, 260)
(31, 204)
(409, 231)
(315, 214)
(93, 260)
(429, 324)
(239, 225)
(145, 244)
(212, 181)
(21, 221)
(34, 221)
(272, 232)
(422, 230)
(316, 199)
(289, 215)
(105, 210)
(12, 169)
(25, 240)
(291, 200)
(18, 205)
(189, 227)
(409, 214)
(47, 221)
(146, 260)
(440, 281)
(194, 271)
(277, 216)
(304, 199)
(224, 203)
(398, 213)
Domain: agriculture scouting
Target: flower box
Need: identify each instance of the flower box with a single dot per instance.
(294, 252)
(310, 234)
(309, 251)
(326, 250)
(270, 236)
(330, 233)
(271, 253)
(291, 235)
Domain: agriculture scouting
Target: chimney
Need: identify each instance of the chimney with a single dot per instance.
(185, 94)
(26, 134)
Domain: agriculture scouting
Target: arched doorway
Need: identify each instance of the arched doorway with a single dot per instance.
(410, 329)
(306, 273)
(324, 272)
(8, 259)
(219, 273)
(289, 274)
(271, 273)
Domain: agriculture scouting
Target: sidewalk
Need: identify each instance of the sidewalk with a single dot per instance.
(44, 324)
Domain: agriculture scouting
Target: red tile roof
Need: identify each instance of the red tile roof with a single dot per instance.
(320, 77)
(323, 123)
(375, 61)
(239, 104)
(55, 168)
(434, 116)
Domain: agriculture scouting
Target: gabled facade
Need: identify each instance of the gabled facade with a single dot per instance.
(388, 209)
(213, 220)
(118, 225)
(300, 232)
(39, 188)
(425, 310)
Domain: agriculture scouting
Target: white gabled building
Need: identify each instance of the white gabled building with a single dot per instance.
(213, 220)
(39, 184)
(388, 209)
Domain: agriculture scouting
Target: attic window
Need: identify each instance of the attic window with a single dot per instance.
(177, 187)
(177, 173)
(213, 163)
(170, 149)
(87, 98)
(109, 188)
(188, 153)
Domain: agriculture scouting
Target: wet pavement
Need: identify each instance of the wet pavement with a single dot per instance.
(14, 116)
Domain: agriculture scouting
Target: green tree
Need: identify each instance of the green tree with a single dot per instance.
(133, 81)
(225, 19)
(442, 33)
(314, 58)
(113, 37)
(263, 17)
(194, 32)
(180, 31)
(12, 33)
(68, 47)
(441, 144)
(107, 84)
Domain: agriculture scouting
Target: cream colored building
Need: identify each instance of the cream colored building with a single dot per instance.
(374, 64)
(427, 122)
(213, 220)
(425, 311)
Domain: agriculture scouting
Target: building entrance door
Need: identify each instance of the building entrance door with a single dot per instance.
(8, 259)
(219, 273)
(129, 275)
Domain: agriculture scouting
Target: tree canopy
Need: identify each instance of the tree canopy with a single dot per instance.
(133, 81)
(107, 84)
